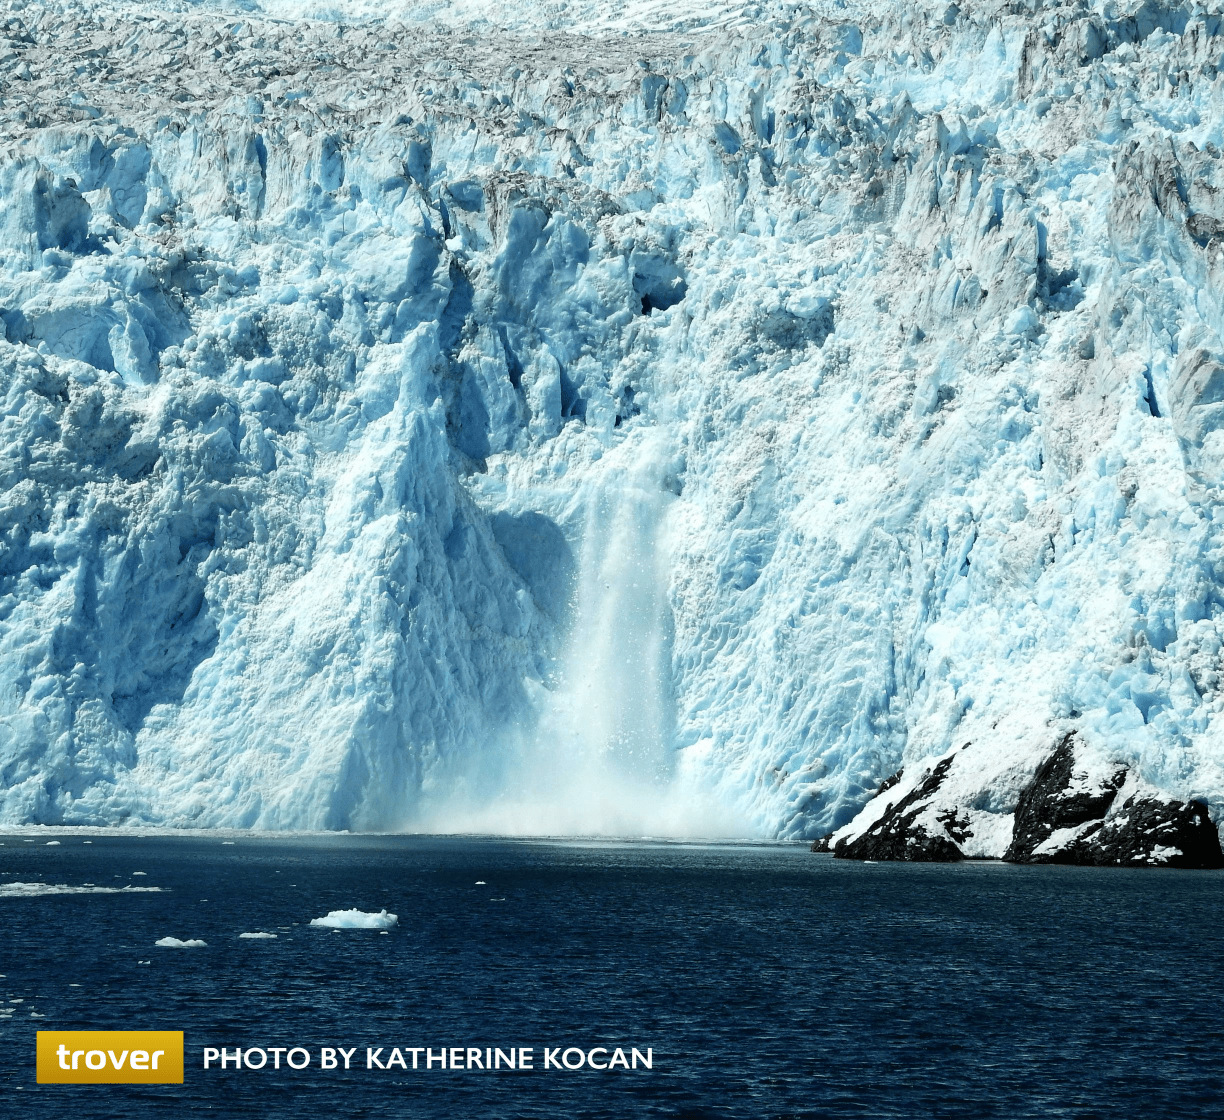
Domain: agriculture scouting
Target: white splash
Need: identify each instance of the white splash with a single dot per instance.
(598, 760)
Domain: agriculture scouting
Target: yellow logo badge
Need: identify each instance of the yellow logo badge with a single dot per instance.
(110, 1057)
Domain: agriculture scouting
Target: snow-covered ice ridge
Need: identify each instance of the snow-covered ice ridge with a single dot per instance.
(343, 360)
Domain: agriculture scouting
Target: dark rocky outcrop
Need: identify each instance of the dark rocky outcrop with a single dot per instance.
(1069, 813)
(888, 783)
(1151, 831)
(1051, 802)
(897, 835)
(1146, 831)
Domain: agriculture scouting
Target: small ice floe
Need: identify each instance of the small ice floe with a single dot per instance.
(53, 843)
(229, 842)
(35, 890)
(86, 841)
(256, 936)
(175, 943)
(356, 919)
(383, 933)
(481, 883)
(36, 1015)
(139, 872)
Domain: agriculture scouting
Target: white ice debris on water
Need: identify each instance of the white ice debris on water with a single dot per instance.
(356, 919)
(586, 417)
(37, 890)
(175, 943)
(256, 936)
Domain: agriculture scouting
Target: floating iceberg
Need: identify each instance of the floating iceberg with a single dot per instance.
(356, 919)
(175, 943)
(256, 936)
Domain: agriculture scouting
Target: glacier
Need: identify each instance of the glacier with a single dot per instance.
(577, 417)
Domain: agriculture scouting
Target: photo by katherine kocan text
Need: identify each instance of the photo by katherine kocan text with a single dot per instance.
(470, 1058)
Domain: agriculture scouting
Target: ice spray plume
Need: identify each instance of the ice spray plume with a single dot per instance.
(600, 759)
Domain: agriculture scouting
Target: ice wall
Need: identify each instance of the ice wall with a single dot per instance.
(688, 405)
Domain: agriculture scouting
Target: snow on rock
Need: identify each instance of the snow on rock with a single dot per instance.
(175, 943)
(408, 406)
(1064, 801)
(356, 919)
(1076, 809)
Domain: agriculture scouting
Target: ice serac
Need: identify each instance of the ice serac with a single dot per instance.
(631, 417)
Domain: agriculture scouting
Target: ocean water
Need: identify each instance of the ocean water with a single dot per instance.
(766, 981)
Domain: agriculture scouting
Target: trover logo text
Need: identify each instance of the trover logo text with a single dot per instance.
(110, 1057)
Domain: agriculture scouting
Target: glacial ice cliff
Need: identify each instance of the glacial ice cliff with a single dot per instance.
(585, 417)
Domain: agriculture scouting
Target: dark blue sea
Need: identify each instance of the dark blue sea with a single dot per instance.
(765, 981)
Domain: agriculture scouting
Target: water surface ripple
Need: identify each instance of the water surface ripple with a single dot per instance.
(769, 982)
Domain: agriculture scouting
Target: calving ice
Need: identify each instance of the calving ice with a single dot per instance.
(426, 1058)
